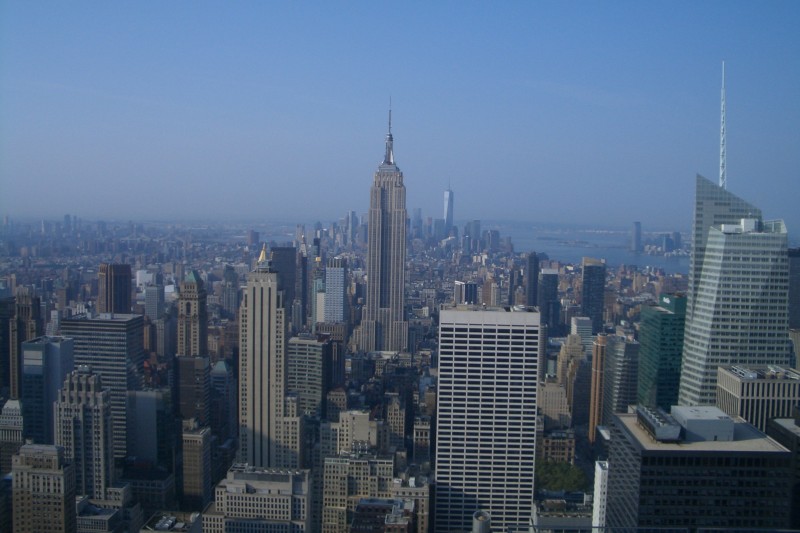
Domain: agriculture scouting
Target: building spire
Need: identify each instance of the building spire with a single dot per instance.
(388, 158)
(723, 178)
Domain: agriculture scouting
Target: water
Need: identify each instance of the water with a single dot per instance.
(569, 245)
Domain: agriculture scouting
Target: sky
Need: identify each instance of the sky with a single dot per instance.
(596, 113)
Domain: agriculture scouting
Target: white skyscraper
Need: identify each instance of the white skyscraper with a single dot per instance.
(739, 310)
(489, 361)
(268, 429)
(448, 211)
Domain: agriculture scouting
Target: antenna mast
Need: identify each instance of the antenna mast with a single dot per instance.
(723, 178)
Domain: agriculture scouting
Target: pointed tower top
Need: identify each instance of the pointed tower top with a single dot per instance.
(723, 178)
(388, 158)
(262, 258)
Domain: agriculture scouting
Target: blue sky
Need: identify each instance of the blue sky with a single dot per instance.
(589, 112)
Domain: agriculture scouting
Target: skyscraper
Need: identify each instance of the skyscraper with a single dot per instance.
(114, 288)
(193, 317)
(335, 290)
(448, 211)
(44, 490)
(111, 345)
(593, 292)
(269, 434)
(489, 362)
(547, 298)
(84, 428)
(661, 345)
(532, 279)
(794, 288)
(384, 326)
(737, 309)
(46, 361)
(636, 237)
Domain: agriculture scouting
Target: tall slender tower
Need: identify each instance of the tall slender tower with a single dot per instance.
(384, 326)
(193, 317)
(269, 435)
(723, 177)
(448, 211)
(114, 288)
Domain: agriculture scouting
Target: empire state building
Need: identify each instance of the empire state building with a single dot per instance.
(384, 326)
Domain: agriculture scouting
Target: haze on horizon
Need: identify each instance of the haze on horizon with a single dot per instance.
(586, 112)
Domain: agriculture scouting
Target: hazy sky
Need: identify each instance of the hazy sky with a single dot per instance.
(591, 112)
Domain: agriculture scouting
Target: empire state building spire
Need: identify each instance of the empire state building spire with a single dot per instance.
(388, 158)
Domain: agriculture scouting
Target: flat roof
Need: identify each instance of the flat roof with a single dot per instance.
(746, 438)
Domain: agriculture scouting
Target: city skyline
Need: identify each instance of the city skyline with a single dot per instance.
(169, 111)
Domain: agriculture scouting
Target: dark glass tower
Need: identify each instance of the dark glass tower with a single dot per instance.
(661, 345)
(593, 292)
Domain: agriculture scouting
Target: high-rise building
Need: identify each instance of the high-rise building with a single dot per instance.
(46, 361)
(193, 317)
(489, 373)
(620, 376)
(636, 237)
(114, 288)
(223, 402)
(308, 372)
(283, 261)
(348, 479)
(152, 428)
(448, 211)
(593, 292)
(154, 301)
(113, 346)
(8, 314)
(597, 385)
(84, 428)
(794, 288)
(28, 325)
(384, 326)
(737, 314)
(197, 472)
(269, 432)
(532, 279)
(758, 394)
(194, 388)
(695, 469)
(336, 290)
(661, 345)
(547, 295)
(44, 490)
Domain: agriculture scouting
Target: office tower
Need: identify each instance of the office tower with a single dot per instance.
(532, 279)
(8, 318)
(111, 345)
(308, 371)
(597, 385)
(636, 237)
(11, 425)
(44, 490)
(230, 291)
(269, 433)
(547, 295)
(571, 350)
(794, 288)
(223, 402)
(600, 500)
(197, 473)
(695, 469)
(114, 288)
(46, 361)
(154, 301)
(384, 326)
(284, 263)
(758, 394)
(593, 292)
(193, 317)
(194, 388)
(738, 314)
(84, 428)
(28, 326)
(448, 212)
(660, 349)
(489, 364)
(582, 326)
(336, 290)
(260, 499)
(620, 376)
(152, 428)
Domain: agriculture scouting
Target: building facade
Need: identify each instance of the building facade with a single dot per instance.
(489, 364)
(193, 317)
(114, 288)
(43, 490)
(758, 394)
(660, 350)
